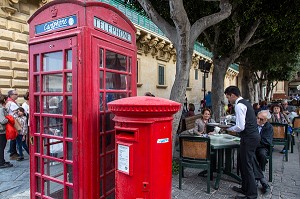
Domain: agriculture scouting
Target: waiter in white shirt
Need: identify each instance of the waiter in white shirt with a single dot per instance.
(247, 128)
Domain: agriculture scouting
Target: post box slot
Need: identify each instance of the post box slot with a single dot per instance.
(126, 135)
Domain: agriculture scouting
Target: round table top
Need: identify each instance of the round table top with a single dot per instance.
(220, 125)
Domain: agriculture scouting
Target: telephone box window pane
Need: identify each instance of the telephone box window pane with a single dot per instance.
(129, 65)
(52, 104)
(37, 83)
(110, 162)
(38, 129)
(109, 123)
(69, 82)
(37, 63)
(37, 145)
(69, 128)
(53, 189)
(129, 82)
(69, 59)
(70, 193)
(114, 96)
(101, 144)
(115, 61)
(101, 123)
(53, 148)
(111, 196)
(38, 164)
(69, 105)
(101, 186)
(37, 104)
(101, 165)
(53, 126)
(101, 80)
(101, 58)
(115, 81)
(53, 61)
(110, 142)
(69, 150)
(54, 169)
(70, 173)
(110, 181)
(53, 83)
(101, 101)
(38, 184)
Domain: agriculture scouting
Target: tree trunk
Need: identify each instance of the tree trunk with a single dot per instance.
(184, 60)
(247, 86)
(217, 89)
(256, 86)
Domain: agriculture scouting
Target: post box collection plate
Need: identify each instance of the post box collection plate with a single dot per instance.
(123, 158)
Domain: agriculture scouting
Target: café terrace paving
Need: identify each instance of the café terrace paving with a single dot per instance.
(14, 182)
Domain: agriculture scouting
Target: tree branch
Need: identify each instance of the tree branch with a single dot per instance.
(217, 34)
(161, 23)
(237, 37)
(209, 41)
(201, 24)
(239, 47)
(254, 42)
(251, 32)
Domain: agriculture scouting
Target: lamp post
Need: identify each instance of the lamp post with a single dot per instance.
(204, 67)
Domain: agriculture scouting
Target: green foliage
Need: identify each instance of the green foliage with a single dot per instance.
(175, 167)
(277, 55)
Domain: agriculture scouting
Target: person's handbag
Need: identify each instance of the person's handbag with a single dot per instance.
(17, 125)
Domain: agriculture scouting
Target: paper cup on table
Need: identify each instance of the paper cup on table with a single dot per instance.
(217, 129)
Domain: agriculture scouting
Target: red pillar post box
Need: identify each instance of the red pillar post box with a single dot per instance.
(143, 128)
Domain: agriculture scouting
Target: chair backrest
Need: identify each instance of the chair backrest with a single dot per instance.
(296, 122)
(190, 121)
(280, 131)
(194, 148)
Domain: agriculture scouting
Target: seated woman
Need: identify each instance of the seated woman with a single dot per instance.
(278, 116)
(200, 124)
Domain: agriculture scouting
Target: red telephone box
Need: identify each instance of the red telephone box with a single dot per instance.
(82, 55)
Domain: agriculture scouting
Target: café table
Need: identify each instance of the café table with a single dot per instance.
(224, 143)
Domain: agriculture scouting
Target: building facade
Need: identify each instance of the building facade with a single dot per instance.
(156, 54)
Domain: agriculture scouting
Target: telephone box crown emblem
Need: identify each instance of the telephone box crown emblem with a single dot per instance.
(53, 11)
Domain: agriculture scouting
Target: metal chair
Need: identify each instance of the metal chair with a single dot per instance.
(269, 157)
(194, 153)
(280, 136)
(296, 125)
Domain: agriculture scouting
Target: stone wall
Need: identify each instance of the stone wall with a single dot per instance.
(14, 32)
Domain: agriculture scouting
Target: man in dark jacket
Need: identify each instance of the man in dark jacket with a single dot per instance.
(266, 133)
(265, 130)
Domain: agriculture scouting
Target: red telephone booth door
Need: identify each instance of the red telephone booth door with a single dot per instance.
(116, 80)
(53, 76)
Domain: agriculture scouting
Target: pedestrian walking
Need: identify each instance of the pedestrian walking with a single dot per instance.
(21, 138)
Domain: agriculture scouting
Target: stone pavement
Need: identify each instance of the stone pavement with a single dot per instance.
(14, 181)
(285, 185)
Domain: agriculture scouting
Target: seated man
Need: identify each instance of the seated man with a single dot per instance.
(265, 130)
(286, 108)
